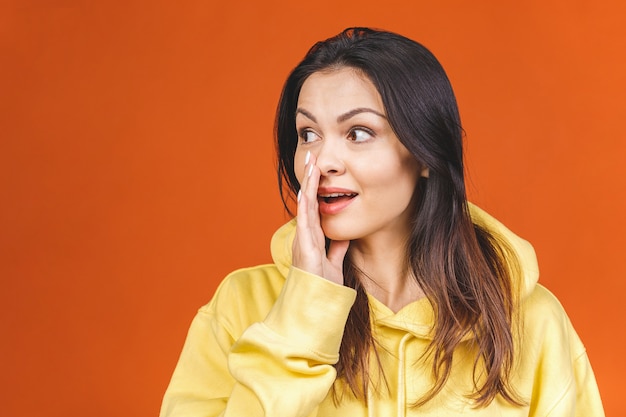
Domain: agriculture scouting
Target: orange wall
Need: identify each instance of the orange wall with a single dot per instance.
(137, 169)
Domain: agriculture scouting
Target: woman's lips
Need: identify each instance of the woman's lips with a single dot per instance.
(334, 200)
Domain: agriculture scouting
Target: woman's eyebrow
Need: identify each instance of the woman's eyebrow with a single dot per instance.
(358, 110)
(342, 117)
(306, 114)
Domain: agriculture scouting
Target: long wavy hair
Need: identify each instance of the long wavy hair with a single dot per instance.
(464, 270)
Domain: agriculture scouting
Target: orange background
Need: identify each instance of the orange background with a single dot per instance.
(137, 169)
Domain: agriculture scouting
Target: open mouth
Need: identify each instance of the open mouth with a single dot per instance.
(332, 198)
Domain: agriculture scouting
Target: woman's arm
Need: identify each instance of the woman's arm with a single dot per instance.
(281, 366)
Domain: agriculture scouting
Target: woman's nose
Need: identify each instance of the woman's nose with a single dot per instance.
(330, 158)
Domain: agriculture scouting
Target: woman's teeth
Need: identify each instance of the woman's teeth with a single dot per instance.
(328, 198)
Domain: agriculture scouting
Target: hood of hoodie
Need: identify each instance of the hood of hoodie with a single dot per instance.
(417, 317)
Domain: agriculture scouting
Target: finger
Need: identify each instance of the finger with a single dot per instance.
(313, 214)
(303, 242)
(303, 183)
(312, 174)
(307, 217)
(302, 202)
(307, 205)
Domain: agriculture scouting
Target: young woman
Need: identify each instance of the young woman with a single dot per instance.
(390, 294)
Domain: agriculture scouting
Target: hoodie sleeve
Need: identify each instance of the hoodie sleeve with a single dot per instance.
(563, 383)
(588, 402)
(280, 366)
(580, 397)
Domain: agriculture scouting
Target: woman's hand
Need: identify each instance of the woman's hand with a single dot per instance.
(309, 251)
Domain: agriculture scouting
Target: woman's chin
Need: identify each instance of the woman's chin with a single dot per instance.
(333, 232)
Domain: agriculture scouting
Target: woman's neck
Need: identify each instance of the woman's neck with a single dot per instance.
(388, 277)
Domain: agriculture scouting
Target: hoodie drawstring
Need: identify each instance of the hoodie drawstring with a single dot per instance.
(401, 395)
(401, 398)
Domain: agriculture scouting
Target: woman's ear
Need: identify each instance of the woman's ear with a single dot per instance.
(424, 172)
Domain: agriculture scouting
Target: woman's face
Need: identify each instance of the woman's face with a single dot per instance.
(367, 176)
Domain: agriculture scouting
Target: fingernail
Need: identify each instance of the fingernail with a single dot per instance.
(310, 171)
(299, 195)
(307, 157)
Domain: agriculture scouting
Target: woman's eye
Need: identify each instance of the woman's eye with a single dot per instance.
(308, 136)
(360, 135)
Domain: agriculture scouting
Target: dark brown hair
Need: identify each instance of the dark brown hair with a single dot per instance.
(464, 270)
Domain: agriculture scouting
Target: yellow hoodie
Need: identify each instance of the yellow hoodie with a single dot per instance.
(266, 344)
